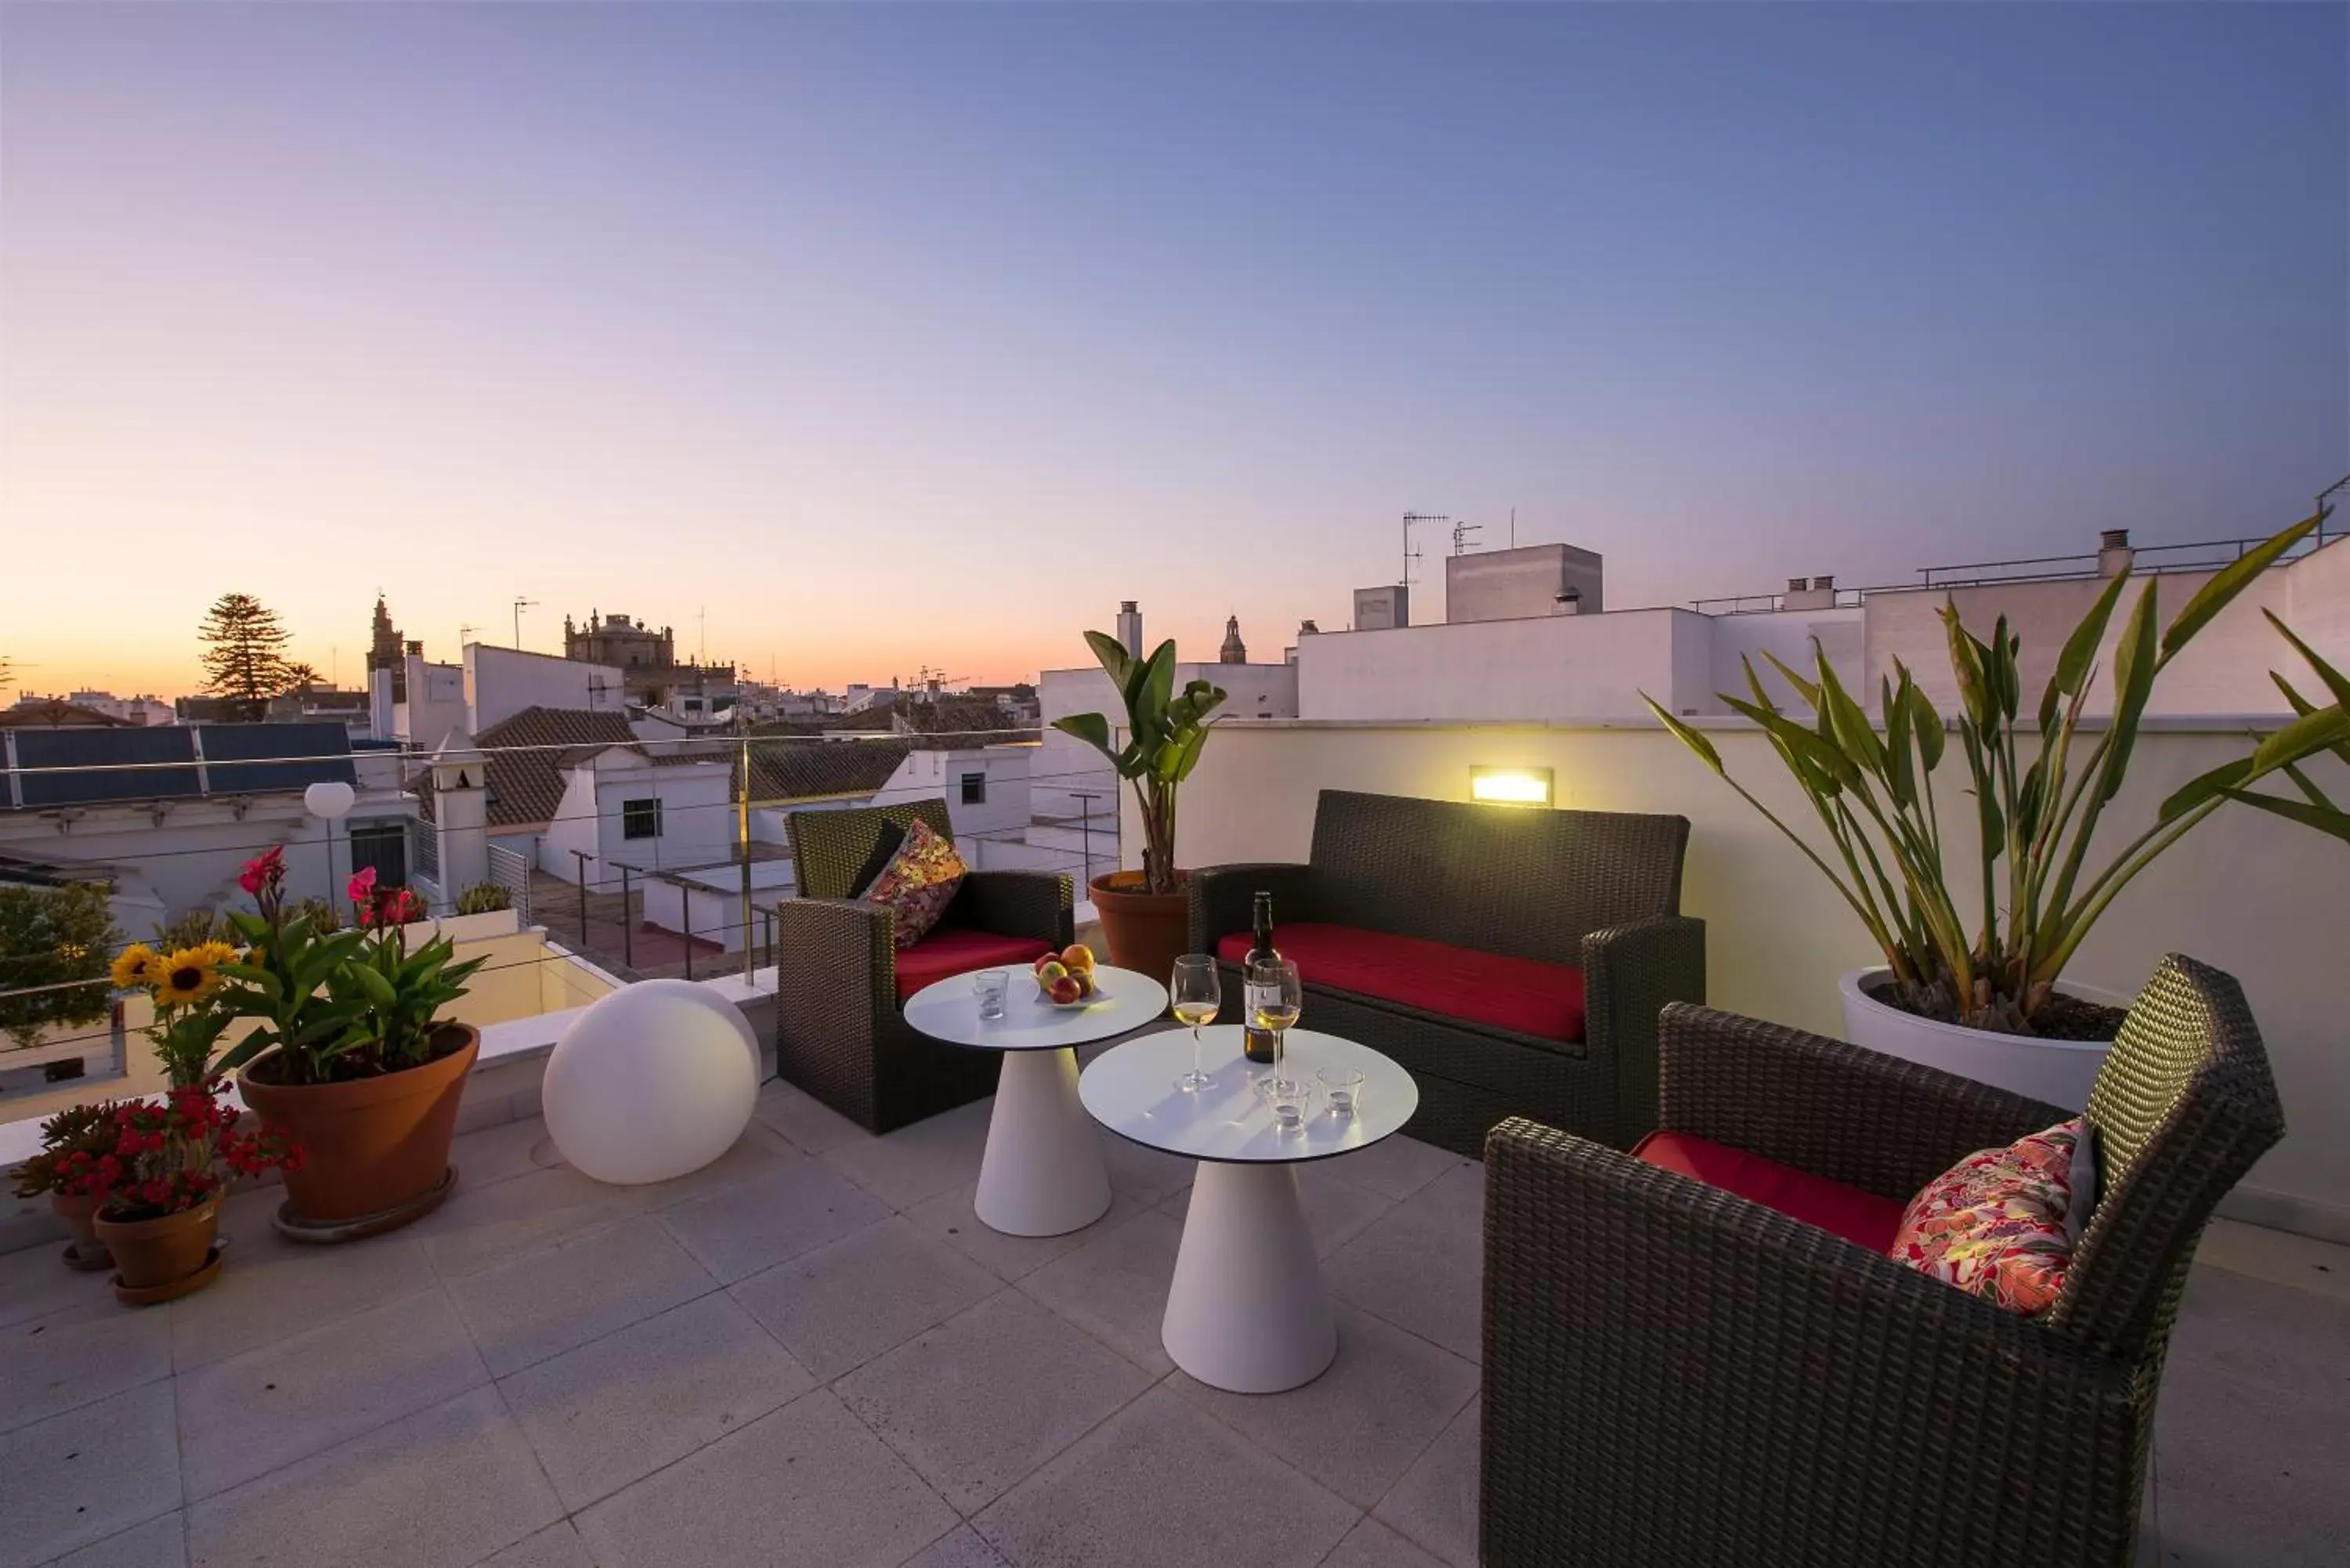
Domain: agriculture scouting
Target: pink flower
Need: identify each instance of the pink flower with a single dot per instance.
(362, 885)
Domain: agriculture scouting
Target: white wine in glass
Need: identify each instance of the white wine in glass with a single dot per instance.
(1198, 993)
(1276, 1002)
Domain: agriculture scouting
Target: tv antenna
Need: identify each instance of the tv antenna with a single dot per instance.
(1410, 552)
(520, 605)
(464, 631)
(1461, 541)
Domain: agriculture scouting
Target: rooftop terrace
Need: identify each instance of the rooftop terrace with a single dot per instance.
(811, 1352)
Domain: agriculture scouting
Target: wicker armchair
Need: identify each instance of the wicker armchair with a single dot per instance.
(1675, 1375)
(1596, 890)
(840, 1033)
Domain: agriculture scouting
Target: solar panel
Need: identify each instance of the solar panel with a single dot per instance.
(89, 751)
(249, 759)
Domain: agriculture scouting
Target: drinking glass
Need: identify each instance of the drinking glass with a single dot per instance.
(1197, 993)
(1275, 1002)
(988, 985)
(1293, 1104)
(1342, 1090)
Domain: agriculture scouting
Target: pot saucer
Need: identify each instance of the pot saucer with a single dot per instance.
(151, 1296)
(325, 1232)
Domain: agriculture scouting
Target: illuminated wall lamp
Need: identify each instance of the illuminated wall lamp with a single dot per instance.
(1511, 786)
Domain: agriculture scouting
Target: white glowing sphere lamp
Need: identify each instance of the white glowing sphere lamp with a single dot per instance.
(651, 1082)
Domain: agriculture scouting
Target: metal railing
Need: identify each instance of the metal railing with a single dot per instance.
(511, 871)
(612, 931)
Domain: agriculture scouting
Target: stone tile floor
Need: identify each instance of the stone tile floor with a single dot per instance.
(812, 1353)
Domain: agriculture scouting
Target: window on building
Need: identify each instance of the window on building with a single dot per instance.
(974, 789)
(640, 818)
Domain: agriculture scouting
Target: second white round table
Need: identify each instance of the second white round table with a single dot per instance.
(1246, 1311)
(1043, 1173)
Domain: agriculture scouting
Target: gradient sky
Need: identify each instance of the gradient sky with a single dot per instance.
(903, 335)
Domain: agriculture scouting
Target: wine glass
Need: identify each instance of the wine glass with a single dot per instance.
(1198, 993)
(1275, 1002)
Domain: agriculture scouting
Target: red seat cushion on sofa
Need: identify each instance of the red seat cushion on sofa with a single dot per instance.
(944, 953)
(1859, 1217)
(1518, 994)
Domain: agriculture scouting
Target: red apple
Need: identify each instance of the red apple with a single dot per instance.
(1066, 990)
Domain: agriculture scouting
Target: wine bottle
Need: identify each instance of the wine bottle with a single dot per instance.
(1257, 1044)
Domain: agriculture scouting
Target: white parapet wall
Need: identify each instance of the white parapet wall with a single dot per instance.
(2259, 898)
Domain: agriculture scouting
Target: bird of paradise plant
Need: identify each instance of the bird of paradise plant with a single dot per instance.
(1874, 793)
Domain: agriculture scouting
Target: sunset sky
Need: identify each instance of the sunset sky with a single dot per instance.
(902, 334)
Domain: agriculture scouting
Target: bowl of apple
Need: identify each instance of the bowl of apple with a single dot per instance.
(1065, 979)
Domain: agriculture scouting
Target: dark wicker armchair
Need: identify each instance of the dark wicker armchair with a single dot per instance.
(1597, 892)
(839, 1030)
(1676, 1374)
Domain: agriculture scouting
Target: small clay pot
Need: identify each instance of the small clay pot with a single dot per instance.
(80, 1212)
(150, 1254)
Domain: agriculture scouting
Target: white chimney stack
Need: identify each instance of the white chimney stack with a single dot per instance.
(1129, 626)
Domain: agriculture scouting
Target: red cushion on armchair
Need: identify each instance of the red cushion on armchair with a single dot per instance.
(1859, 1217)
(951, 952)
(1523, 995)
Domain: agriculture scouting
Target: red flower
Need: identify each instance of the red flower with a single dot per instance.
(362, 885)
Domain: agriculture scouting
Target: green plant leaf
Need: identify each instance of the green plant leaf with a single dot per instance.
(2334, 680)
(1967, 656)
(1810, 691)
(2080, 652)
(1853, 734)
(2135, 663)
(1927, 725)
(2322, 818)
(1111, 654)
(2233, 579)
(1900, 772)
(1686, 736)
(1804, 750)
(2203, 787)
(2304, 737)
(1090, 728)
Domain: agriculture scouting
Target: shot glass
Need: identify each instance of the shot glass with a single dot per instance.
(988, 985)
(1292, 1103)
(1342, 1091)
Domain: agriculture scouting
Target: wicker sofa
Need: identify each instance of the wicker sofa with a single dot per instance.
(841, 1032)
(1677, 1373)
(1513, 961)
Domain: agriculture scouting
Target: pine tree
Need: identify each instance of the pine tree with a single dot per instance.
(243, 661)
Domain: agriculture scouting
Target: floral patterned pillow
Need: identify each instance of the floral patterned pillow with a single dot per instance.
(920, 881)
(2002, 1223)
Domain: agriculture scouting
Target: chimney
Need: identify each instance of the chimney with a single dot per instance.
(2113, 553)
(1809, 594)
(1129, 626)
(1567, 601)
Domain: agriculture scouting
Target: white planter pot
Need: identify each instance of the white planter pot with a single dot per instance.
(2057, 1071)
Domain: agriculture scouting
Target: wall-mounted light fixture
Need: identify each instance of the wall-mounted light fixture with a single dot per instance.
(1511, 786)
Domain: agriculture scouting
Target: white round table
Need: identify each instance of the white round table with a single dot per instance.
(1043, 1173)
(1246, 1312)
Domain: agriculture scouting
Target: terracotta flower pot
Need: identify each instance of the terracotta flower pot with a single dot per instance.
(152, 1255)
(1147, 933)
(80, 1212)
(371, 1147)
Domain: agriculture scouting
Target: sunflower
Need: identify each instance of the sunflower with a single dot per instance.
(135, 966)
(185, 978)
(220, 952)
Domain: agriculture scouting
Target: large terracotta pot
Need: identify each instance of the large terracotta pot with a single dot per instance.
(78, 1210)
(1147, 933)
(371, 1146)
(2057, 1071)
(152, 1254)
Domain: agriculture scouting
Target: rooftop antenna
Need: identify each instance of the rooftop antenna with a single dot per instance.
(1514, 528)
(1410, 553)
(1461, 541)
(702, 640)
(520, 605)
